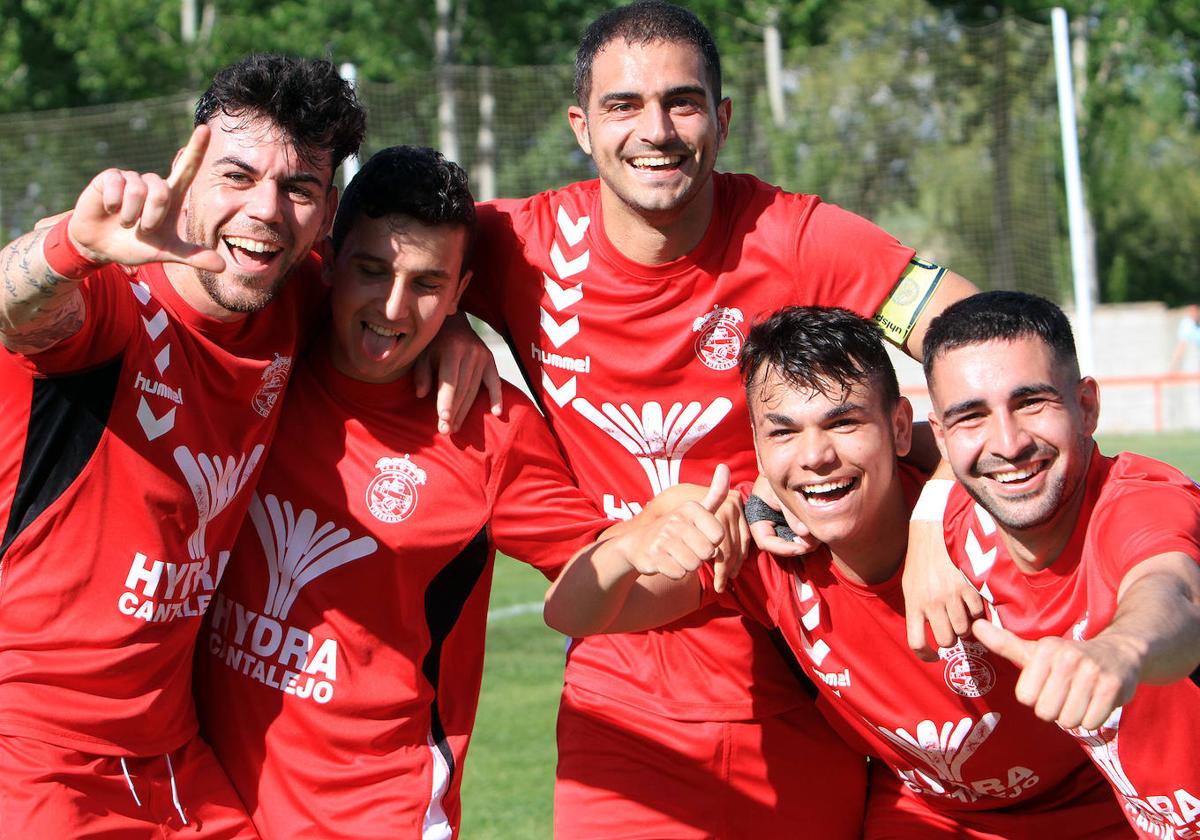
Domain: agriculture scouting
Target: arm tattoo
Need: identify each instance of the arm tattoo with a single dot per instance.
(54, 325)
(37, 307)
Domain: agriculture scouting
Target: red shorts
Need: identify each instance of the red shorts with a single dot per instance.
(48, 791)
(631, 774)
(1089, 812)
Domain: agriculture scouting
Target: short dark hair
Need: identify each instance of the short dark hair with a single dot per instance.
(642, 23)
(413, 181)
(306, 98)
(816, 348)
(1000, 316)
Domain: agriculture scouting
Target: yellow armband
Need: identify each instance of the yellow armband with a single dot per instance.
(900, 311)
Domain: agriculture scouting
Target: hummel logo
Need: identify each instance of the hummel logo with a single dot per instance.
(572, 231)
(565, 268)
(155, 326)
(560, 297)
(562, 395)
(559, 334)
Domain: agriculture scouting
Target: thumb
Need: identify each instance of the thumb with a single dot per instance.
(1004, 642)
(197, 256)
(718, 489)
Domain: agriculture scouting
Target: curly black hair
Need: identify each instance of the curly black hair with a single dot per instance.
(306, 98)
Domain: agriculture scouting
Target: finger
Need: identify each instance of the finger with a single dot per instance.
(111, 185)
(133, 198)
(764, 536)
(1106, 697)
(495, 387)
(941, 628)
(1012, 647)
(197, 256)
(958, 616)
(157, 203)
(917, 640)
(1045, 688)
(971, 597)
(1080, 690)
(187, 164)
(422, 375)
(718, 489)
(464, 393)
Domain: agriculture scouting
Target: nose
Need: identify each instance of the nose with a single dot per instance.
(656, 126)
(264, 203)
(397, 299)
(1009, 438)
(815, 451)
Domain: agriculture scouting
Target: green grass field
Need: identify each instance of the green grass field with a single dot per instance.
(509, 781)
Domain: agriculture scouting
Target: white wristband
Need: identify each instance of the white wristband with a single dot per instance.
(932, 503)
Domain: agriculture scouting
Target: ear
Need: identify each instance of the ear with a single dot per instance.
(902, 424)
(331, 206)
(1088, 394)
(462, 287)
(577, 117)
(324, 248)
(939, 435)
(724, 113)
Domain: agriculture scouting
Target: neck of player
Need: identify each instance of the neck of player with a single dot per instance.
(874, 553)
(656, 237)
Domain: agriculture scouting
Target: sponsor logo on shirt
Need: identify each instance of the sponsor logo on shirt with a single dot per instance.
(275, 379)
(157, 591)
(719, 339)
(943, 751)
(215, 482)
(297, 549)
(658, 440)
(161, 591)
(968, 672)
(392, 495)
(1170, 814)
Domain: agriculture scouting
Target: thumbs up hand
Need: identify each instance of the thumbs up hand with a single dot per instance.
(1069, 682)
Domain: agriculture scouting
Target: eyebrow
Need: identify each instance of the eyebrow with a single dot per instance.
(833, 413)
(302, 177)
(680, 90)
(367, 256)
(1016, 394)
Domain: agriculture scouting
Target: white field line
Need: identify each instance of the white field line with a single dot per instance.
(502, 613)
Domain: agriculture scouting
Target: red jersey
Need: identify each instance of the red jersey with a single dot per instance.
(952, 731)
(635, 367)
(124, 463)
(1134, 508)
(341, 667)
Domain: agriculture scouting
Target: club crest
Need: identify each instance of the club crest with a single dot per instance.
(392, 495)
(719, 338)
(968, 673)
(275, 378)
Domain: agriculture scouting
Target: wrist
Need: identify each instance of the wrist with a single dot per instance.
(63, 257)
(931, 505)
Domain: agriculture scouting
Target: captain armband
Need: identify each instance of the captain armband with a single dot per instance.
(900, 311)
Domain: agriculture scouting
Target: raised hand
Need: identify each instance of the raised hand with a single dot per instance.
(132, 218)
(1069, 682)
(676, 544)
